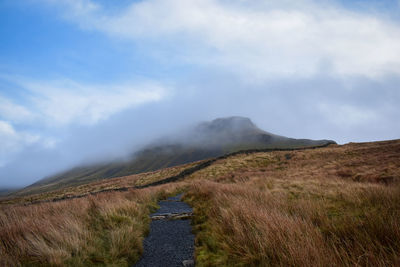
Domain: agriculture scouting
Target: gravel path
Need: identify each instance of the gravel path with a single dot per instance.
(170, 242)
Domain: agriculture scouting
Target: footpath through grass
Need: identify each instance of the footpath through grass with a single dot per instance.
(103, 230)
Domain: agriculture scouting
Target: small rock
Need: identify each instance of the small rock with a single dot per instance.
(188, 263)
(172, 216)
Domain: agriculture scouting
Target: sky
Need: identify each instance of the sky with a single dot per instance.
(83, 81)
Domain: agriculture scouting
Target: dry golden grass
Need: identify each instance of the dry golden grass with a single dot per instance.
(369, 162)
(334, 206)
(298, 209)
(106, 229)
(241, 225)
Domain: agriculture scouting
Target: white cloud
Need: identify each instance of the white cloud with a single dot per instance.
(346, 115)
(62, 103)
(75, 7)
(11, 141)
(14, 112)
(257, 38)
(6, 129)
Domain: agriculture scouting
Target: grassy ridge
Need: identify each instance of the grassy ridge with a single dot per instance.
(147, 161)
(163, 176)
(152, 159)
(87, 189)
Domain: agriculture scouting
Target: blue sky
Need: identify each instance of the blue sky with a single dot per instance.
(89, 80)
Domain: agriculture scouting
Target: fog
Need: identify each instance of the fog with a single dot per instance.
(301, 109)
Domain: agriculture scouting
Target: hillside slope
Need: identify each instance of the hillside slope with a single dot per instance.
(206, 140)
(332, 206)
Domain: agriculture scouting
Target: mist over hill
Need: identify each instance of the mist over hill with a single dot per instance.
(205, 140)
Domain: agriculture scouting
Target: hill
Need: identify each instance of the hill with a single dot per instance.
(337, 205)
(206, 140)
(6, 191)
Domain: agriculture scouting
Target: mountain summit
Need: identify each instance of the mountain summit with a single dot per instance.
(230, 124)
(234, 130)
(206, 140)
(233, 133)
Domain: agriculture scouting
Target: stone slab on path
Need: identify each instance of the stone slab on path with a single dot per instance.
(170, 242)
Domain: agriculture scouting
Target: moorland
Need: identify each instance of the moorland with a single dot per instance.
(337, 205)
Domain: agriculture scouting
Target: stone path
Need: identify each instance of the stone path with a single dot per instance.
(170, 242)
